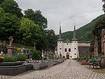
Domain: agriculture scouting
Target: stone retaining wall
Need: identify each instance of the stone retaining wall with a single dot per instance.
(14, 70)
(45, 63)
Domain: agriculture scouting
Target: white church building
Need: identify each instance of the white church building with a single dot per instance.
(70, 49)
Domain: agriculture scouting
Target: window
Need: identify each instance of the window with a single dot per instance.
(69, 50)
(75, 48)
(65, 49)
(75, 54)
(67, 43)
(60, 48)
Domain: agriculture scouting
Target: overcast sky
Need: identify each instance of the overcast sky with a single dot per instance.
(65, 12)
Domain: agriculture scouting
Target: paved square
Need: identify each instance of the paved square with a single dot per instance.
(70, 69)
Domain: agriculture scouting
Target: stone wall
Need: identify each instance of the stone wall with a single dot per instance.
(14, 70)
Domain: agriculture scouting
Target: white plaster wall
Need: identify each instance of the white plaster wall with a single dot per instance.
(72, 46)
(67, 47)
(83, 44)
(59, 45)
(75, 49)
(63, 49)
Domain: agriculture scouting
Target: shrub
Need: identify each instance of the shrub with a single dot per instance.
(36, 55)
(9, 59)
(21, 57)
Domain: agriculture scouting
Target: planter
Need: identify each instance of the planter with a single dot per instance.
(11, 63)
(14, 70)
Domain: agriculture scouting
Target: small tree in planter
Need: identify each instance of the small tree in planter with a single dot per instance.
(21, 57)
(36, 55)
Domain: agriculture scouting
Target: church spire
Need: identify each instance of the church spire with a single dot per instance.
(60, 34)
(74, 35)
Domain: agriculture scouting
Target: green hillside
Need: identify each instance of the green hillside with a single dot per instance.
(84, 33)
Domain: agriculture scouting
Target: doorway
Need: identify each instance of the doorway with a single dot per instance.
(67, 55)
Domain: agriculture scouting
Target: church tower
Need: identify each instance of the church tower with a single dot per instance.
(74, 50)
(60, 44)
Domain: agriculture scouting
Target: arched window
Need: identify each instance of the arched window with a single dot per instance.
(69, 50)
(65, 49)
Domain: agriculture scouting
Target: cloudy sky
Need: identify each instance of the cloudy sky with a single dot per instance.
(65, 12)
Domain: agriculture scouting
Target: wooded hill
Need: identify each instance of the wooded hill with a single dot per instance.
(84, 33)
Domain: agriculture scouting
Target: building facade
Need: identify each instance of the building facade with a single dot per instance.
(71, 49)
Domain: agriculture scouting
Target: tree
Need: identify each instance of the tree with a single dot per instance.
(8, 24)
(36, 55)
(1, 1)
(32, 32)
(37, 17)
(51, 40)
(28, 30)
(41, 39)
(40, 19)
(29, 14)
(98, 26)
(10, 6)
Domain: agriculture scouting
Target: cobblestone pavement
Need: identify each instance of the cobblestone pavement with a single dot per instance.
(70, 69)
